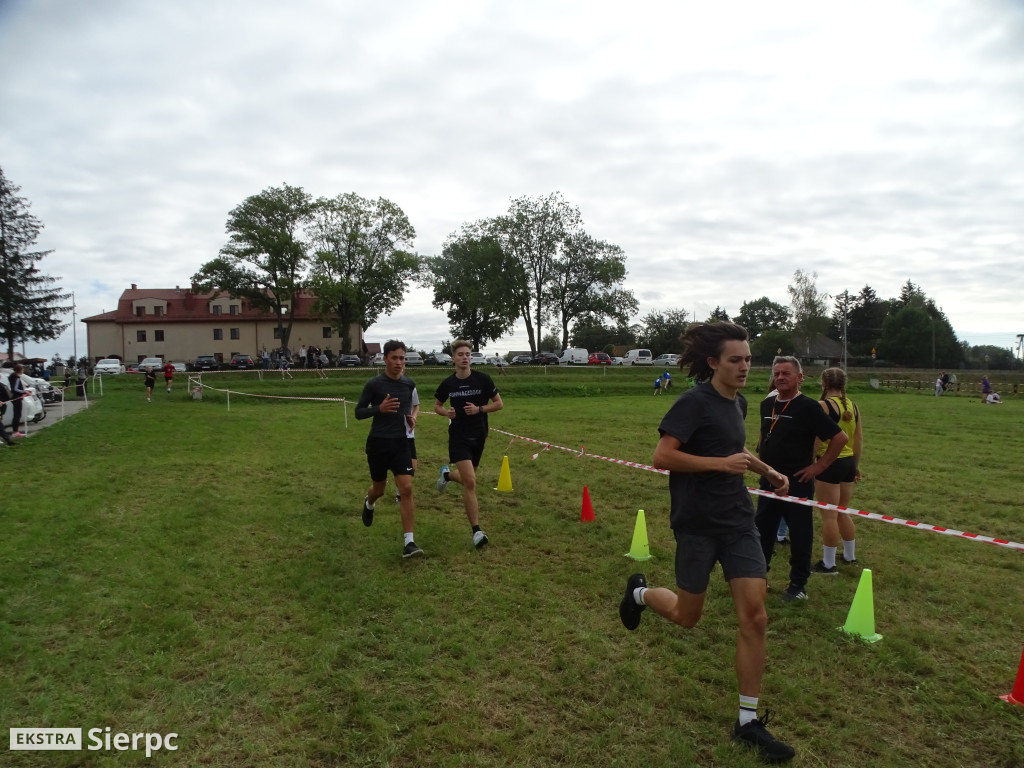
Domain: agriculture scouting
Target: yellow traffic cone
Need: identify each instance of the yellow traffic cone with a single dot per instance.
(861, 619)
(639, 549)
(505, 478)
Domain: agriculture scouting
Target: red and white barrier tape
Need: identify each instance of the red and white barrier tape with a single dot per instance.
(796, 500)
(268, 397)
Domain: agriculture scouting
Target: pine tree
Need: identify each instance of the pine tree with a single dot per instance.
(29, 300)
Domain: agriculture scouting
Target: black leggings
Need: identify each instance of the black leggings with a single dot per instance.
(800, 519)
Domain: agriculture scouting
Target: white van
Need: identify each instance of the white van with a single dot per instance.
(574, 356)
(639, 357)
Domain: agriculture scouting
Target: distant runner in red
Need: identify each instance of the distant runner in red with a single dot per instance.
(168, 375)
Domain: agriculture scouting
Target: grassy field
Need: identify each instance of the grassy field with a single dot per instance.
(182, 566)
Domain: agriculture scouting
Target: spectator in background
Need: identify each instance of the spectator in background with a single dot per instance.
(5, 396)
(17, 387)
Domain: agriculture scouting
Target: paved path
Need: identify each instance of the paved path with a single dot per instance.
(55, 413)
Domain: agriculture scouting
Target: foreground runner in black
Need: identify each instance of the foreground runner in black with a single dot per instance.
(470, 395)
(388, 400)
(702, 447)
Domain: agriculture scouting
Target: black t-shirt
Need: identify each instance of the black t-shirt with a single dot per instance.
(788, 430)
(477, 388)
(707, 424)
(376, 389)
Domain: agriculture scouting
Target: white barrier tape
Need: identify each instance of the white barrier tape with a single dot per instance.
(891, 519)
(807, 502)
(269, 397)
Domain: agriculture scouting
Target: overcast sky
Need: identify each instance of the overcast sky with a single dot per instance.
(721, 145)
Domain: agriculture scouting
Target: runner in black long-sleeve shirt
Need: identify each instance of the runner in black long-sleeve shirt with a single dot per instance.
(387, 399)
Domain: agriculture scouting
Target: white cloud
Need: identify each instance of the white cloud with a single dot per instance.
(722, 146)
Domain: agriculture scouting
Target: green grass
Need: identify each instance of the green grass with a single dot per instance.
(182, 566)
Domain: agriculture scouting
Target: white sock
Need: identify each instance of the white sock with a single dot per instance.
(828, 556)
(408, 537)
(638, 595)
(748, 709)
(850, 549)
(367, 502)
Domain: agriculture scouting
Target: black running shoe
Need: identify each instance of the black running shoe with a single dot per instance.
(411, 550)
(367, 513)
(629, 611)
(793, 594)
(824, 570)
(755, 734)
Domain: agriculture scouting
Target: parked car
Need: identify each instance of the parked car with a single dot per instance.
(496, 360)
(349, 361)
(521, 360)
(545, 358)
(477, 358)
(108, 366)
(413, 358)
(180, 367)
(132, 368)
(639, 357)
(600, 358)
(618, 361)
(156, 363)
(574, 356)
(205, 363)
(666, 360)
(439, 358)
(378, 359)
(241, 361)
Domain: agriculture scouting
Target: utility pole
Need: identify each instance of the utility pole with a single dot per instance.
(74, 329)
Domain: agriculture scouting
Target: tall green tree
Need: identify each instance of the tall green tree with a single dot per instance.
(532, 232)
(587, 280)
(477, 281)
(763, 314)
(360, 266)
(718, 314)
(662, 331)
(918, 333)
(865, 315)
(810, 307)
(264, 262)
(31, 304)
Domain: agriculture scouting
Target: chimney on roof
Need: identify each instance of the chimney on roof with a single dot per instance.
(134, 287)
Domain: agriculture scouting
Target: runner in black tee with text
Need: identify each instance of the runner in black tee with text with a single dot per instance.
(472, 395)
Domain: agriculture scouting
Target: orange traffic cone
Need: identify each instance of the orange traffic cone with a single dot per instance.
(587, 513)
(1016, 696)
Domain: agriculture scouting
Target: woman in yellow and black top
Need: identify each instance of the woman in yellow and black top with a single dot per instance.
(835, 484)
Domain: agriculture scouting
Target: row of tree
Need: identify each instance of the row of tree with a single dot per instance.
(534, 263)
(909, 329)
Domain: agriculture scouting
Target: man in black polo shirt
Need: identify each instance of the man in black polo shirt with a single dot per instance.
(790, 421)
(472, 395)
(387, 398)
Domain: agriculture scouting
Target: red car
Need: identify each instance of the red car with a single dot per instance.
(599, 358)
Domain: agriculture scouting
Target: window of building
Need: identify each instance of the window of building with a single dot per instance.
(140, 311)
(218, 334)
(217, 309)
(140, 335)
(277, 333)
(236, 334)
(158, 335)
(327, 331)
(158, 311)
(233, 309)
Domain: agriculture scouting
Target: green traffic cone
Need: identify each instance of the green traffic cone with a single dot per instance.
(861, 619)
(639, 549)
